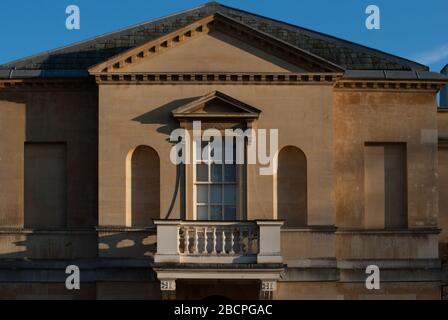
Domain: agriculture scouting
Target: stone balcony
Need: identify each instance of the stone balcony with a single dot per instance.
(218, 250)
(221, 242)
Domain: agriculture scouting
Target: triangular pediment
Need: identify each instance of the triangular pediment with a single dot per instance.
(216, 43)
(216, 105)
(214, 52)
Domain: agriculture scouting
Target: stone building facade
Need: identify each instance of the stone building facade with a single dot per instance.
(87, 180)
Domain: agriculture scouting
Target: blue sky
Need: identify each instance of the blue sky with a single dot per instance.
(417, 30)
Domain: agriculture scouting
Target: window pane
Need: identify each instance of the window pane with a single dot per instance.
(229, 213)
(205, 150)
(216, 194)
(230, 172)
(230, 194)
(239, 151)
(202, 213)
(198, 151)
(216, 152)
(201, 172)
(216, 172)
(216, 213)
(202, 194)
(229, 150)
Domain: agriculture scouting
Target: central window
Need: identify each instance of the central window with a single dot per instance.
(216, 181)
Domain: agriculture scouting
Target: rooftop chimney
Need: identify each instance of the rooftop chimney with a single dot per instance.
(444, 91)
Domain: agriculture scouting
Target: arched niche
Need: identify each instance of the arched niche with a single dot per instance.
(142, 187)
(291, 185)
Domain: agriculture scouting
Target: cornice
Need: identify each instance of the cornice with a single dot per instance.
(232, 78)
(217, 78)
(388, 85)
(47, 84)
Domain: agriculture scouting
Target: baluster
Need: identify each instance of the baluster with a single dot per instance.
(210, 239)
(190, 241)
(223, 244)
(214, 241)
(185, 240)
(249, 241)
(196, 240)
(206, 240)
(250, 245)
(257, 240)
(240, 240)
(203, 240)
(178, 239)
(246, 241)
(232, 240)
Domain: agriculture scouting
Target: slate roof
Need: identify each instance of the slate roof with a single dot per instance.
(74, 60)
(444, 69)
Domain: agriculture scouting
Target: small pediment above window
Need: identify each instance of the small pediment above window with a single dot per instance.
(216, 105)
